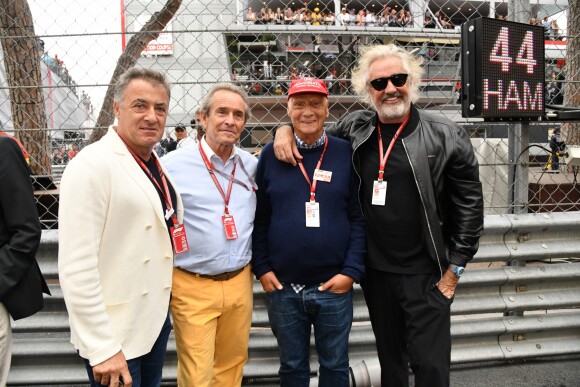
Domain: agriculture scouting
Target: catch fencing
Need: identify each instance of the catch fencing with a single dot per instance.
(520, 298)
(79, 43)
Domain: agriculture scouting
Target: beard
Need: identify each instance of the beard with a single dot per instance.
(388, 112)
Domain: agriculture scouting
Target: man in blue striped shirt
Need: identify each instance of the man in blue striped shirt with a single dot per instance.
(212, 297)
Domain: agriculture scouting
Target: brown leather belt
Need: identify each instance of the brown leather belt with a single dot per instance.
(216, 277)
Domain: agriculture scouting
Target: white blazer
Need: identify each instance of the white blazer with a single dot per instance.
(115, 256)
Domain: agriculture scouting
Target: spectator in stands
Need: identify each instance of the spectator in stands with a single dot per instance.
(446, 23)
(409, 18)
(250, 16)
(294, 73)
(429, 22)
(329, 80)
(385, 15)
(316, 17)
(278, 16)
(343, 17)
(417, 249)
(288, 16)
(57, 158)
(299, 17)
(307, 17)
(270, 16)
(370, 19)
(119, 214)
(401, 21)
(73, 152)
(555, 30)
(392, 19)
(261, 17)
(361, 18)
(547, 24)
(351, 17)
(21, 282)
(329, 19)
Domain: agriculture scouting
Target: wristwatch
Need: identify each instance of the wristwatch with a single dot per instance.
(457, 270)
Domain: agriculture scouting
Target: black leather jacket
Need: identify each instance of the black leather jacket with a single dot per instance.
(447, 176)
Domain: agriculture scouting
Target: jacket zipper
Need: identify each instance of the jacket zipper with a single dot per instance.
(355, 171)
(424, 209)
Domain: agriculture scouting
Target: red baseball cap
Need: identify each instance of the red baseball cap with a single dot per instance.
(307, 85)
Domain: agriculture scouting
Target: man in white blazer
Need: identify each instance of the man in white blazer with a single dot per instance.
(119, 227)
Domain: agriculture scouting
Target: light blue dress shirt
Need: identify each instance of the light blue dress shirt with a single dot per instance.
(209, 250)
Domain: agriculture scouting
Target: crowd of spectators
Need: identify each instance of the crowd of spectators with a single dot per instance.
(388, 17)
(62, 154)
(256, 83)
(385, 17)
(301, 16)
(438, 20)
(59, 68)
(551, 27)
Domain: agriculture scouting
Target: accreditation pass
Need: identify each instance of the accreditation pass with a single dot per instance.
(312, 214)
(379, 193)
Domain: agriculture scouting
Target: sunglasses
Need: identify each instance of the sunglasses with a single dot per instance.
(398, 80)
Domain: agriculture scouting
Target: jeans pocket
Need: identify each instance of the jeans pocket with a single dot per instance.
(329, 291)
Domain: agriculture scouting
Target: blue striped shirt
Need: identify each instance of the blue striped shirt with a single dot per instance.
(209, 250)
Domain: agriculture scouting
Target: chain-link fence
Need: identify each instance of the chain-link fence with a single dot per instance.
(262, 46)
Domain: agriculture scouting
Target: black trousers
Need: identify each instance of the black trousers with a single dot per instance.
(411, 320)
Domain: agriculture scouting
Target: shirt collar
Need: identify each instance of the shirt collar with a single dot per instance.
(209, 152)
(302, 145)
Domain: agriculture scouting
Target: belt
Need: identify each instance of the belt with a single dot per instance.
(216, 277)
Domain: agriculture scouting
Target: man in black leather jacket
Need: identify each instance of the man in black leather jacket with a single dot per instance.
(423, 205)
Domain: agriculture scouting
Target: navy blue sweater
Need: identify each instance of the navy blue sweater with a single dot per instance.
(282, 243)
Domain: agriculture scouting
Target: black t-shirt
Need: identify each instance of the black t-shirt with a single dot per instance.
(394, 231)
(152, 167)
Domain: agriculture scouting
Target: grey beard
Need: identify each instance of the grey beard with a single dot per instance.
(392, 111)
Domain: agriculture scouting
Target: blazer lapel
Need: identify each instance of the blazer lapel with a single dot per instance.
(135, 172)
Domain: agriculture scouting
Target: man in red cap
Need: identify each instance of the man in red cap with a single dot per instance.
(309, 242)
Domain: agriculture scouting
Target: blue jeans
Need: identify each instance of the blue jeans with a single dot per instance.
(145, 370)
(292, 314)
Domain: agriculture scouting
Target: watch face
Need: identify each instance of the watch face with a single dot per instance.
(459, 271)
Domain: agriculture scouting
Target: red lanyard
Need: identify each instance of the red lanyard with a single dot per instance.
(210, 167)
(383, 159)
(165, 191)
(313, 185)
